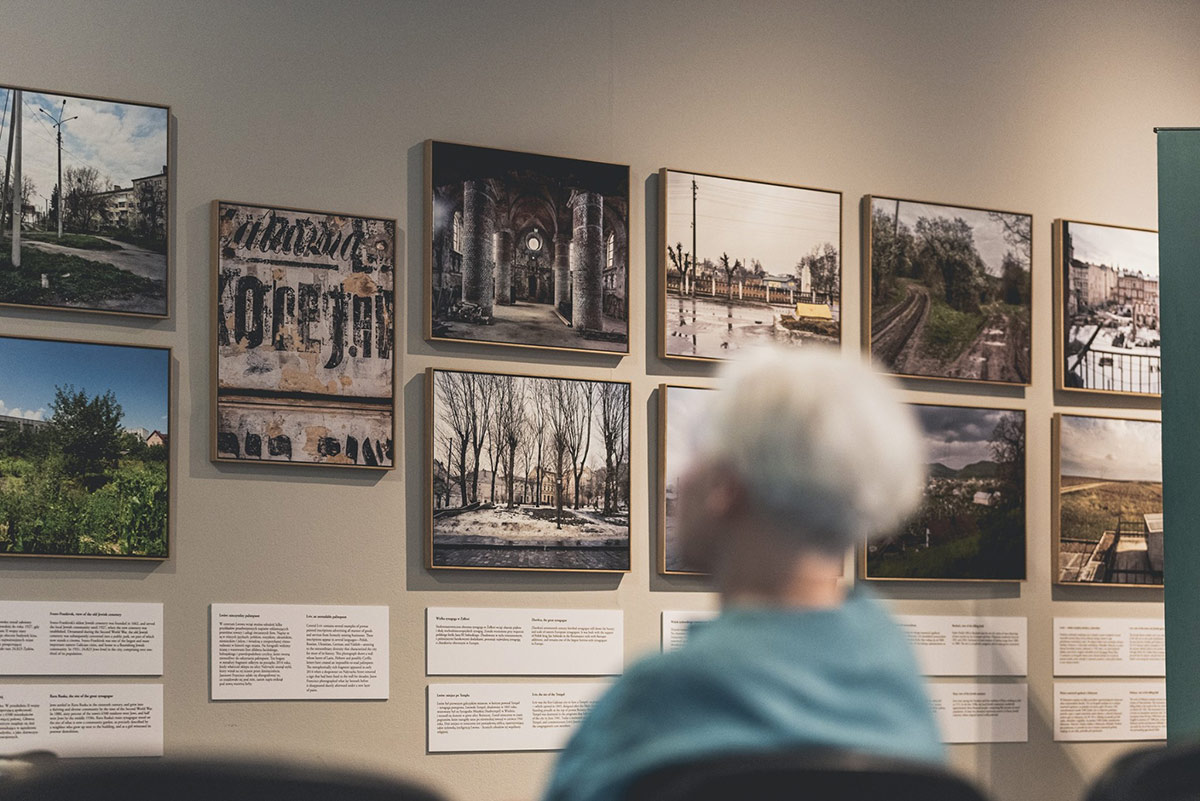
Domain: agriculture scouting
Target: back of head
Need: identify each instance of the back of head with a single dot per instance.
(822, 444)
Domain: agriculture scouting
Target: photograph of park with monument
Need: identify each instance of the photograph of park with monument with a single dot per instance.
(525, 249)
(84, 203)
(949, 290)
(527, 473)
(745, 263)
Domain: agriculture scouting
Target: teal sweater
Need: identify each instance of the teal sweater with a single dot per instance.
(756, 679)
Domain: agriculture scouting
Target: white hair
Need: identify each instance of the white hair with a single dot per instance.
(822, 444)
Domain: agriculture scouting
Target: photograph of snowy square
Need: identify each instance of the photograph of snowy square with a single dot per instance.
(1108, 305)
(527, 473)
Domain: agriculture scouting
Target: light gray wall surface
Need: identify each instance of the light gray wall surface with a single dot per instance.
(1043, 107)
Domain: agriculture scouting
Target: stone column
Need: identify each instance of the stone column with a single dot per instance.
(562, 271)
(504, 251)
(477, 257)
(587, 301)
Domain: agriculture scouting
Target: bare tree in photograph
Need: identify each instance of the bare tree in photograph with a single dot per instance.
(511, 425)
(83, 203)
(540, 424)
(561, 411)
(479, 401)
(580, 441)
(681, 261)
(614, 417)
(459, 410)
(730, 270)
(495, 432)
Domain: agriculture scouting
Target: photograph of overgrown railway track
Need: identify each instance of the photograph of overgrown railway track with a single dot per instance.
(949, 290)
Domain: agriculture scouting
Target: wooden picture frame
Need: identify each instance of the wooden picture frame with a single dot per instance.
(1106, 310)
(948, 291)
(86, 432)
(106, 248)
(771, 269)
(507, 532)
(670, 562)
(526, 250)
(966, 528)
(303, 357)
(1130, 554)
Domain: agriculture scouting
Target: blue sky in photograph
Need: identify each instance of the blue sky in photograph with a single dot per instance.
(122, 141)
(31, 368)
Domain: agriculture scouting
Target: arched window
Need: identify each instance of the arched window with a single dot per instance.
(458, 232)
(609, 251)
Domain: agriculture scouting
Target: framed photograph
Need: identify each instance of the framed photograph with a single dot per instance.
(678, 411)
(744, 263)
(528, 250)
(948, 290)
(93, 215)
(1108, 501)
(304, 321)
(1107, 339)
(85, 438)
(527, 473)
(971, 522)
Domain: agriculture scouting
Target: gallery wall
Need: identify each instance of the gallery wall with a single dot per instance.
(1044, 108)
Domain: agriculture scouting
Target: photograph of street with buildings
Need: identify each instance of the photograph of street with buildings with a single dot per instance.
(528, 473)
(1109, 500)
(525, 249)
(971, 523)
(88, 227)
(950, 291)
(83, 449)
(1109, 307)
(745, 263)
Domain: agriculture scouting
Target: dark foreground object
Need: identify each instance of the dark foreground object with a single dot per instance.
(802, 775)
(200, 780)
(1151, 774)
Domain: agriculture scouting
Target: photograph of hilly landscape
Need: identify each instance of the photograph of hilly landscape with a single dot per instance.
(971, 523)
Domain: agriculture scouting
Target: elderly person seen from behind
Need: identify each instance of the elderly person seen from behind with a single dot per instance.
(798, 456)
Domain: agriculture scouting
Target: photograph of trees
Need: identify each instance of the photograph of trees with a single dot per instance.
(83, 449)
(1109, 499)
(1109, 306)
(89, 228)
(747, 262)
(528, 473)
(950, 291)
(971, 523)
(679, 409)
(526, 249)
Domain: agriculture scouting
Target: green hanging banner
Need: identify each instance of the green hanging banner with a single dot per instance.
(1179, 292)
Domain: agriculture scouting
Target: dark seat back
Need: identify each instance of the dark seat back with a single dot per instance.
(201, 780)
(1170, 773)
(803, 775)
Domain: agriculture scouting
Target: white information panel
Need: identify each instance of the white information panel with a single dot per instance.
(948, 645)
(981, 713)
(507, 717)
(1102, 646)
(292, 651)
(1104, 711)
(675, 626)
(82, 720)
(61, 638)
(524, 642)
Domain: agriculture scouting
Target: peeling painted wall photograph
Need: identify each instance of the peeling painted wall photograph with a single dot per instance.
(304, 326)
(525, 249)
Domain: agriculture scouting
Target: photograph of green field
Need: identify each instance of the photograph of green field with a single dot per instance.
(1109, 497)
(84, 449)
(971, 523)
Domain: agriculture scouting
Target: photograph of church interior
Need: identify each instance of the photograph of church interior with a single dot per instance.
(668, 401)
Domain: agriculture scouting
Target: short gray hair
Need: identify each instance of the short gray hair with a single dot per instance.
(822, 443)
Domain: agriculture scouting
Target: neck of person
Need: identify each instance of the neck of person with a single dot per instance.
(762, 567)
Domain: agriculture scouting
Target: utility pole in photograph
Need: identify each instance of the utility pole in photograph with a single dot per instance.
(7, 159)
(58, 124)
(695, 253)
(16, 174)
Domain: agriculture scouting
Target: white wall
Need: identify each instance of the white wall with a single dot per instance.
(1045, 107)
